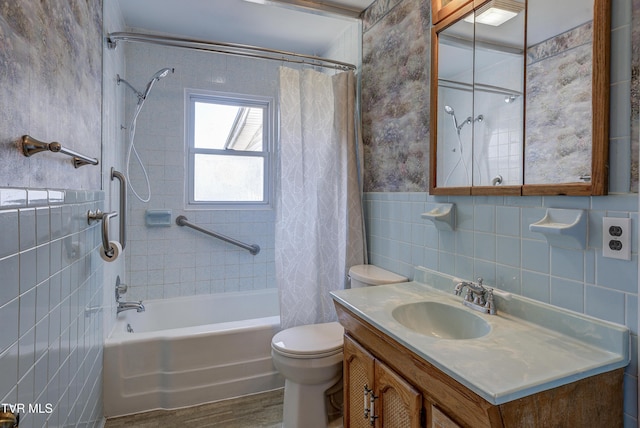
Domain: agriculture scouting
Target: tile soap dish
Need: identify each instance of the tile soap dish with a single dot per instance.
(157, 218)
(443, 216)
(563, 228)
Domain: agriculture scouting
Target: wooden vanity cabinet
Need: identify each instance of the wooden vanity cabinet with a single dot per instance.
(395, 403)
(413, 393)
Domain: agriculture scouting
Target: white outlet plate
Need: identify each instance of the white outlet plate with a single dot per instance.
(616, 238)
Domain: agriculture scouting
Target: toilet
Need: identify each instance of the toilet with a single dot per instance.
(309, 357)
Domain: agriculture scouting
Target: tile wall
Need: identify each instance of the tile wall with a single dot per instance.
(492, 240)
(164, 262)
(51, 306)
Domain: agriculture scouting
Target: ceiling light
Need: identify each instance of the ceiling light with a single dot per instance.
(496, 12)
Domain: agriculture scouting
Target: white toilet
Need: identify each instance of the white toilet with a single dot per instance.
(309, 357)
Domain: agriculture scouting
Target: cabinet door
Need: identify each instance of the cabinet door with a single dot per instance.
(398, 404)
(441, 9)
(358, 373)
(440, 420)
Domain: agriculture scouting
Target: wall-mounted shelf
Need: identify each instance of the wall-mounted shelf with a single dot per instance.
(157, 218)
(563, 228)
(443, 216)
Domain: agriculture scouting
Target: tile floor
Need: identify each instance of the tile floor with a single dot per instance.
(262, 410)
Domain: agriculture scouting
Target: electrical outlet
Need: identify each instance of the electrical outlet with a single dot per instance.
(616, 238)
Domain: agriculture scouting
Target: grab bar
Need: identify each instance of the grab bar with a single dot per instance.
(105, 217)
(123, 205)
(31, 146)
(183, 221)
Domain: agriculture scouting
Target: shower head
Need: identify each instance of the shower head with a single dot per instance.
(159, 75)
(162, 73)
(449, 110)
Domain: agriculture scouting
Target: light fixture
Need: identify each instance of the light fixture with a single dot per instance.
(496, 12)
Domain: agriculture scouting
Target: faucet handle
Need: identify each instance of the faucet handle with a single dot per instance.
(120, 288)
(490, 305)
(469, 296)
(480, 281)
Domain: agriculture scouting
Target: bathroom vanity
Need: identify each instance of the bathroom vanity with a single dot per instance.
(530, 365)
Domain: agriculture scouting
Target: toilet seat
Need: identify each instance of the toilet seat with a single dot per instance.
(309, 341)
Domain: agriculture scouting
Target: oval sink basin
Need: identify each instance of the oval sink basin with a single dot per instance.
(440, 320)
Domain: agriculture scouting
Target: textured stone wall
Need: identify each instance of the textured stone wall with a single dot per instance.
(395, 95)
(51, 89)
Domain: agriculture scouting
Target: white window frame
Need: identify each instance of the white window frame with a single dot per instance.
(198, 95)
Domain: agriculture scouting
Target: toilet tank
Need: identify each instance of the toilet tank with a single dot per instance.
(365, 275)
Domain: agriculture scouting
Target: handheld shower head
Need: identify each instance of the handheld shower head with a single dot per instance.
(162, 73)
(449, 110)
(159, 75)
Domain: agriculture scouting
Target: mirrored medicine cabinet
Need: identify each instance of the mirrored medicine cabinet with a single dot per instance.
(520, 97)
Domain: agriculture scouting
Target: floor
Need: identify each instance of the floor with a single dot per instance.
(262, 410)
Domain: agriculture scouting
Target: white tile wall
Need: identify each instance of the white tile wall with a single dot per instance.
(51, 306)
(164, 262)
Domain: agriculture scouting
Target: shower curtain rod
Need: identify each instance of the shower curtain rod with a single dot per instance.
(228, 49)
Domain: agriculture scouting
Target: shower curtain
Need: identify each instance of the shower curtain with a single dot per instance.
(319, 223)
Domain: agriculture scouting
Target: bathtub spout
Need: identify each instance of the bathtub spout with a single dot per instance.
(126, 306)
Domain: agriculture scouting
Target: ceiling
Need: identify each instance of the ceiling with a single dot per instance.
(302, 26)
(294, 25)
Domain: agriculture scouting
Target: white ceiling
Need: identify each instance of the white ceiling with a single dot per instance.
(548, 18)
(303, 26)
(289, 25)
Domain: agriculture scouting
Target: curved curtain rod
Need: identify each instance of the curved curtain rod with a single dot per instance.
(228, 48)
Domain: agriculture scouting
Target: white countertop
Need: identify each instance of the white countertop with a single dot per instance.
(531, 347)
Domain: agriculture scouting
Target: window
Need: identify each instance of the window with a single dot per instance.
(229, 143)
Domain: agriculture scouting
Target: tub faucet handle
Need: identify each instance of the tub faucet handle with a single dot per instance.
(120, 288)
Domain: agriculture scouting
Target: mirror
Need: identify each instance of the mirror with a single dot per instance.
(482, 91)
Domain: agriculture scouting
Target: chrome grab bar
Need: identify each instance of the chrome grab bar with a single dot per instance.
(31, 146)
(183, 221)
(123, 205)
(105, 217)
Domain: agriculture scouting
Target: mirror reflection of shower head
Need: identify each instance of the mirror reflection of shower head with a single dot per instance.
(450, 111)
(467, 121)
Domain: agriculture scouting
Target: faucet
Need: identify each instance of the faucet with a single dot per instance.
(126, 306)
(478, 297)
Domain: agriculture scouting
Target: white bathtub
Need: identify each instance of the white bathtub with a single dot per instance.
(191, 350)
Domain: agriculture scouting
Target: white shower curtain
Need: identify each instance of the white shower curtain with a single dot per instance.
(319, 222)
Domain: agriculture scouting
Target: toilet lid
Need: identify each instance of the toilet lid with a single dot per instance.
(309, 340)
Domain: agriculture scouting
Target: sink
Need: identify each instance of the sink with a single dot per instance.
(441, 320)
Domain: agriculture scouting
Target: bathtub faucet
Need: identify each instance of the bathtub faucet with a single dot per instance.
(127, 306)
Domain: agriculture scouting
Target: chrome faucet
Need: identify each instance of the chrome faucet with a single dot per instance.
(127, 306)
(478, 297)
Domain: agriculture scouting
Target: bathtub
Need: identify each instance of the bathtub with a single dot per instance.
(191, 350)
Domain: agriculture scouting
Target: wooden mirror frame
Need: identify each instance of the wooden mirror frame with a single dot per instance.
(600, 102)
(440, 11)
